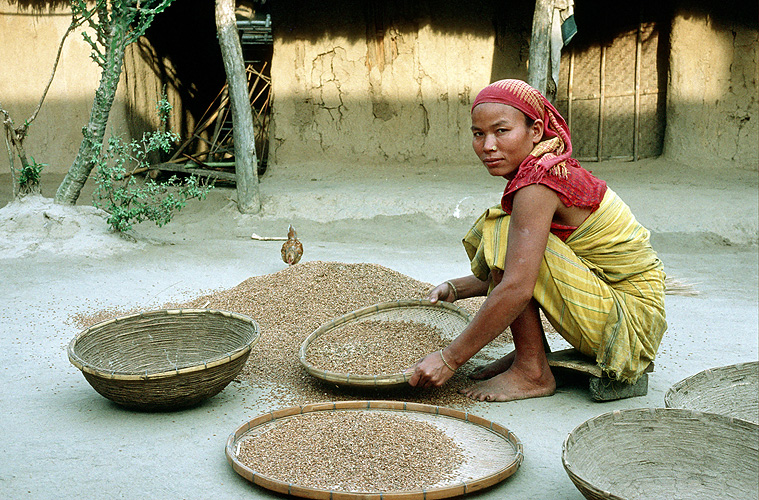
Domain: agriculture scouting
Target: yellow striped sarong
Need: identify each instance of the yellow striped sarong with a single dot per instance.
(602, 289)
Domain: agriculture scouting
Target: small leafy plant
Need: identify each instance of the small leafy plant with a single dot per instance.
(129, 201)
(29, 177)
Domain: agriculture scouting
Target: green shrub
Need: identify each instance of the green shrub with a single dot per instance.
(129, 201)
(29, 177)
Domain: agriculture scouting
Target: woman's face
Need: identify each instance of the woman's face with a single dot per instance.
(501, 137)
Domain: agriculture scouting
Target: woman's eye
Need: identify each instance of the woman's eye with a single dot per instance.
(502, 130)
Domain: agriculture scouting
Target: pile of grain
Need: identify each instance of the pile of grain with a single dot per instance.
(292, 303)
(353, 451)
(374, 347)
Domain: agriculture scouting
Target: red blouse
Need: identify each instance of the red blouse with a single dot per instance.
(578, 188)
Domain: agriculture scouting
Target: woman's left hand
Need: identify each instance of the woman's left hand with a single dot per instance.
(431, 371)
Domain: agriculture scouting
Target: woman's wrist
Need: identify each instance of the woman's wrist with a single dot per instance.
(445, 361)
(452, 289)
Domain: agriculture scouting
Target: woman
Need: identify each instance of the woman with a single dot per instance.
(560, 241)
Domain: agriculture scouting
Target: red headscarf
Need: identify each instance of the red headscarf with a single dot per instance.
(550, 155)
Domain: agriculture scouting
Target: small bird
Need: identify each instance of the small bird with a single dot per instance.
(292, 249)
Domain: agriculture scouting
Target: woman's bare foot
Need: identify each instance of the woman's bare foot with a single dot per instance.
(513, 384)
(490, 370)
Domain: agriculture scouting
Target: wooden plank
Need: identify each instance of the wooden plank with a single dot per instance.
(572, 359)
(176, 167)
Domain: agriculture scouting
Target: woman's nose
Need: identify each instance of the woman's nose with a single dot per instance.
(489, 144)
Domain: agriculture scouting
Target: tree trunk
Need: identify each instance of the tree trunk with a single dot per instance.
(94, 132)
(540, 46)
(243, 134)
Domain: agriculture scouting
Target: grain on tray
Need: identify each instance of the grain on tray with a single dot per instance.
(354, 451)
(374, 347)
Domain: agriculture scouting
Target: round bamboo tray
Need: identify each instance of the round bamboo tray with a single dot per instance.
(731, 390)
(166, 359)
(669, 453)
(493, 452)
(449, 319)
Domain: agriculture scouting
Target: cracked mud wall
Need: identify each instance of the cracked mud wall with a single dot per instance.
(712, 109)
(378, 86)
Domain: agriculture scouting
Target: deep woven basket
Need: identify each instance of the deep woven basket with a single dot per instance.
(731, 390)
(449, 319)
(669, 453)
(166, 359)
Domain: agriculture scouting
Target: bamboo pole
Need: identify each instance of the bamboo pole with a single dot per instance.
(636, 126)
(601, 103)
(570, 87)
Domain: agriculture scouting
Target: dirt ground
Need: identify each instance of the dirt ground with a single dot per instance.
(63, 440)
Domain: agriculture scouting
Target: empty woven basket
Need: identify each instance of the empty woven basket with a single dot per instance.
(669, 453)
(731, 390)
(166, 359)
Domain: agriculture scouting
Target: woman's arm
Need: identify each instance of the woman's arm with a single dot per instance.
(465, 287)
(532, 212)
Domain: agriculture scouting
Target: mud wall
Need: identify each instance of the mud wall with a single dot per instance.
(30, 34)
(29, 41)
(389, 82)
(712, 109)
(367, 83)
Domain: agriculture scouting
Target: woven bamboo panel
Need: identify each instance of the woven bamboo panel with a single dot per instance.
(619, 125)
(667, 453)
(604, 86)
(649, 69)
(584, 128)
(586, 73)
(619, 78)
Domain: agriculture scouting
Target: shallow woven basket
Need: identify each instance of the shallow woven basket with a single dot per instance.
(493, 452)
(669, 453)
(166, 359)
(449, 319)
(731, 390)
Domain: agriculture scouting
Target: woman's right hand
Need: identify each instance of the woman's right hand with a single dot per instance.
(443, 291)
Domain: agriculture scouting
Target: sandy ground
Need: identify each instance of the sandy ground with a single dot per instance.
(63, 440)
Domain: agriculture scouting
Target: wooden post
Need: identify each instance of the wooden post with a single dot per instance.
(540, 46)
(246, 163)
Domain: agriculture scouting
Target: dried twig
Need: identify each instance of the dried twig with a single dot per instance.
(267, 238)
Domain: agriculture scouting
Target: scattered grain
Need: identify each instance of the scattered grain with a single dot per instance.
(292, 303)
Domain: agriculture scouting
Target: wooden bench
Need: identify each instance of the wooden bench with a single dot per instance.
(602, 388)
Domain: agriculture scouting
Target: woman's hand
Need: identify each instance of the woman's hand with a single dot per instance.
(444, 291)
(431, 371)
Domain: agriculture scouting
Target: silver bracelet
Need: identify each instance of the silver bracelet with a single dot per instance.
(453, 288)
(446, 362)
